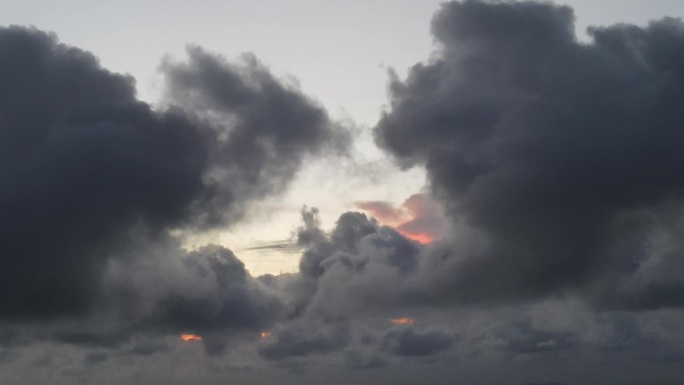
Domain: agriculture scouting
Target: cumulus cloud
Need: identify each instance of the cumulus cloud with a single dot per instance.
(556, 161)
(559, 158)
(94, 181)
(261, 128)
(360, 264)
(83, 162)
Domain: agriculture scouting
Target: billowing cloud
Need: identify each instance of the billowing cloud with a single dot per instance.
(556, 161)
(94, 180)
(261, 128)
(559, 159)
(382, 211)
(83, 163)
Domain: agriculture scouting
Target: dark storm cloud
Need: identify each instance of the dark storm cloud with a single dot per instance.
(557, 157)
(558, 162)
(93, 179)
(82, 162)
(264, 127)
(382, 211)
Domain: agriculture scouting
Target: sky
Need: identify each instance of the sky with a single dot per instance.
(471, 192)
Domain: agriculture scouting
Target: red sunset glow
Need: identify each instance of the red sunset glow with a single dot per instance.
(403, 321)
(420, 238)
(190, 337)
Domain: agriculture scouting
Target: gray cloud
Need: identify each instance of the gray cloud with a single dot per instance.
(95, 358)
(383, 211)
(523, 338)
(363, 359)
(303, 338)
(358, 266)
(409, 341)
(83, 162)
(557, 161)
(557, 157)
(94, 180)
(262, 128)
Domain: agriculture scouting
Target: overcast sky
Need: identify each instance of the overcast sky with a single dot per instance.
(311, 192)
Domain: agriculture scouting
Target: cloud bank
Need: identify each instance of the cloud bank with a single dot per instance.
(556, 161)
(95, 181)
(561, 157)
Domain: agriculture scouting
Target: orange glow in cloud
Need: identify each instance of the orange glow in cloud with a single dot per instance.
(190, 337)
(419, 218)
(403, 321)
(264, 334)
(384, 212)
(420, 238)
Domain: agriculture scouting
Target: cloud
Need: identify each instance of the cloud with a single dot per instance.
(383, 211)
(523, 338)
(95, 358)
(262, 128)
(409, 341)
(304, 338)
(95, 182)
(558, 160)
(419, 218)
(83, 162)
(215, 294)
(363, 359)
(426, 220)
